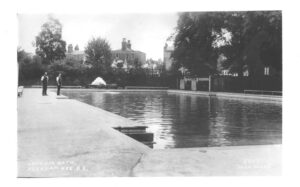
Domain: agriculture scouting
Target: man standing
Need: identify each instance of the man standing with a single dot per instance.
(44, 80)
(58, 82)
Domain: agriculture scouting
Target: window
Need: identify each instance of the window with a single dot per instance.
(225, 72)
(267, 71)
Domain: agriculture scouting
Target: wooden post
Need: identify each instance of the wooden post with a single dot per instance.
(209, 83)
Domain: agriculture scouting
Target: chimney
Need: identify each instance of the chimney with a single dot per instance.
(128, 44)
(124, 44)
(70, 48)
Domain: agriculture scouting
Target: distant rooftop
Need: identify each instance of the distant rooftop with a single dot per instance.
(77, 53)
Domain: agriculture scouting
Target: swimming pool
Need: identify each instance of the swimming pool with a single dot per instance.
(181, 121)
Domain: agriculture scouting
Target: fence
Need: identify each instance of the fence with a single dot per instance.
(263, 92)
(258, 85)
(239, 84)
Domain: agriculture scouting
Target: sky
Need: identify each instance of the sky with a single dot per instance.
(147, 32)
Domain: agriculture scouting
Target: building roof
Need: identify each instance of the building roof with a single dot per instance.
(77, 53)
(127, 50)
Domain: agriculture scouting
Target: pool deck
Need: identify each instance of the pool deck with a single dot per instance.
(60, 137)
(67, 138)
(214, 161)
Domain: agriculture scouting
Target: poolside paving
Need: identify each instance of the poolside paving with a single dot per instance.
(64, 138)
(214, 161)
(60, 137)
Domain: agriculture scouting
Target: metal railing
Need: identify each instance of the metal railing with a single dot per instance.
(54, 86)
(263, 92)
(146, 87)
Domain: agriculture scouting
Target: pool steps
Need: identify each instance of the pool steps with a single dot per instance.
(138, 133)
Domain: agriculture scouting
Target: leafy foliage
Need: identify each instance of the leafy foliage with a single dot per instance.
(99, 55)
(49, 43)
(256, 39)
(73, 71)
(193, 43)
(22, 56)
(30, 68)
(245, 39)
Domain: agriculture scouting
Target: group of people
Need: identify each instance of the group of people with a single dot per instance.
(45, 80)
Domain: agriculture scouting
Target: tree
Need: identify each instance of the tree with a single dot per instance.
(49, 43)
(30, 68)
(72, 69)
(256, 40)
(245, 39)
(76, 48)
(194, 43)
(99, 55)
(22, 56)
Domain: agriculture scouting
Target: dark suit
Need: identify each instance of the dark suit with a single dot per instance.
(58, 82)
(45, 84)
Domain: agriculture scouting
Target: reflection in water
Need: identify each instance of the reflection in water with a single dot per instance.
(193, 121)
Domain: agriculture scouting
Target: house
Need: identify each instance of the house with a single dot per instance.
(75, 54)
(126, 57)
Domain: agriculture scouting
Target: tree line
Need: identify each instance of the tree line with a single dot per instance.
(207, 42)
(50, 56)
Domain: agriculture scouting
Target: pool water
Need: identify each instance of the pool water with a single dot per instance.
(181, 121)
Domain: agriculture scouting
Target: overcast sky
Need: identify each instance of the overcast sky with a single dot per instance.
(147, 32)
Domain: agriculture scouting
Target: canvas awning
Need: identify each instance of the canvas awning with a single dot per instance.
(98, 82)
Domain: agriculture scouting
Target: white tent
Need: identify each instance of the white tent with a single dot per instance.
(98, 82)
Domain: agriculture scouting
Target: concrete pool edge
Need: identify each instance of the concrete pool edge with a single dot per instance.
(141, 161)
(262, 160)
(232, 95)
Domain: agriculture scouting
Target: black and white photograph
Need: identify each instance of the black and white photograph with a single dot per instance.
(171, 93)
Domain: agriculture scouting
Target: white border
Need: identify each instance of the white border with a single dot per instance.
(8, 73)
